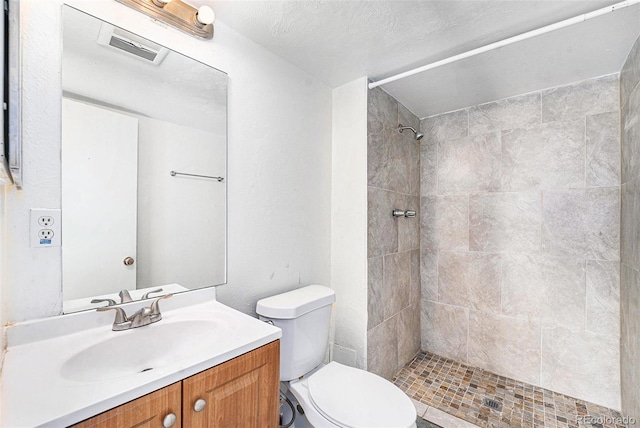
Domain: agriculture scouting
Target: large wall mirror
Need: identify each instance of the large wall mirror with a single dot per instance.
(144, 143)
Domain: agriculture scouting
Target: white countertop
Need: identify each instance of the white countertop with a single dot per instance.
(36, 393)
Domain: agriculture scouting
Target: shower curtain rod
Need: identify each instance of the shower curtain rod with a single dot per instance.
(505, 42)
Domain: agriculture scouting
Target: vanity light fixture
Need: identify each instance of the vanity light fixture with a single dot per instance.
(178, 14)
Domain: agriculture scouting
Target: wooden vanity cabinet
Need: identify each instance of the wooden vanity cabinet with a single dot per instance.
(148, 411)
(242, 392)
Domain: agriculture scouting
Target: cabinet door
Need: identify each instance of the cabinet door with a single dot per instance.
(242, 392)
(148, 411)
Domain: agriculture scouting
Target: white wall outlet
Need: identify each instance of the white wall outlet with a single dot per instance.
(45, 220)
(45, 230)
(45, 234)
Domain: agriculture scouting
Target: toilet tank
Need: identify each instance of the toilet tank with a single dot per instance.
(304, 316)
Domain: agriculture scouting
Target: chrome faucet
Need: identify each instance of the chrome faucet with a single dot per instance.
(110, 302)
(140, 318)
(125, 297)
(146, 295)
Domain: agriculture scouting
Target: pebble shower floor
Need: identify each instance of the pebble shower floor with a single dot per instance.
(460, 390)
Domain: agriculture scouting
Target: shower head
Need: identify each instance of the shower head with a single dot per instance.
(418, 135)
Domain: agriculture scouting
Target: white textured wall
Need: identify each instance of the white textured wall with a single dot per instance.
(349, 223)
(279, 175)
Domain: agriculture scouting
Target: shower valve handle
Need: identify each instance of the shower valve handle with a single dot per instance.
(404, 213)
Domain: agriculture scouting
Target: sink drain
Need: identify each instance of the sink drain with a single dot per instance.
(146, 370)
(492, 404)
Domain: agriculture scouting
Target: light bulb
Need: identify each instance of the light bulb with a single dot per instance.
(205, 15)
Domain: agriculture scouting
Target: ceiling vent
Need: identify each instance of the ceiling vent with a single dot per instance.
(117, 38)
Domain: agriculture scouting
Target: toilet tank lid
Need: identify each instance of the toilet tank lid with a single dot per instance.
(296, 303)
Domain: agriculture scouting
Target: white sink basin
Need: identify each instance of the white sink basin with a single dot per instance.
(75, 367)
(135, 351)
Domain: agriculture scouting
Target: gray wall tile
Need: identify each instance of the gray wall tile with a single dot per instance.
(510, 113)
(375, 299)
(444, 330)
(540, 285)
(630, 230)
(382, 231)
(581, 99)
(400, 165)
(444, 222)
(630, 74)
(382, 348)
(548, 289)
(444, 127)
(505, 345)
(408, 341)
(429, 274)
(413, 164)
(406, 118)
(471, 280)
(603, 297)
(580, 363)
(408, 227)
(396, 290)
(504, 222)
(392, 243)
(428, 168)
(469, 164)
(582, 223)
(628, 225)
(631, 138)
(630, 340)
(377, 155)
(603, 149)
(381, 106)
(415, 287)
(544, 156)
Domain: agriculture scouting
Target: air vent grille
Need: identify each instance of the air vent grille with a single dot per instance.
(133, 48)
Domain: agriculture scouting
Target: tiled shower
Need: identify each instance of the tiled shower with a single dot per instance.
(519, 237)
(393, 252)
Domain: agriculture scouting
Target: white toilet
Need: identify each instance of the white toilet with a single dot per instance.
(331, 395)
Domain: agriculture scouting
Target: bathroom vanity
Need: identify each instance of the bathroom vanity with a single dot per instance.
(203, 363)
(241, 392)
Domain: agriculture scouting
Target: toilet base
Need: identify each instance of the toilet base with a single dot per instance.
(301, 420)
(299, 391)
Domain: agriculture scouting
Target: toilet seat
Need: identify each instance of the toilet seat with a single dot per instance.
(354, 398)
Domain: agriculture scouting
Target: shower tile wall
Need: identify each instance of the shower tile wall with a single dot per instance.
(630, 245)
(520, 238)
(393, 333)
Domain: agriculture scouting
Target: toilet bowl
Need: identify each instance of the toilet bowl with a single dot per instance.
(335, 395)
(331, 395)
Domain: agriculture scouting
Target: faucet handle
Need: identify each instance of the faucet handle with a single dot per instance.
(155, 306)
(121, 316)
(146, 295)
(125, 297)
(110, 302)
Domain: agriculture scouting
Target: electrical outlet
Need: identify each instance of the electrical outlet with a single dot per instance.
(45, 230)
(45, 234)
(45, 221)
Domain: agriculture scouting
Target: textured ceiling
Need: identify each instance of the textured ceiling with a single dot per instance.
(339, 41)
